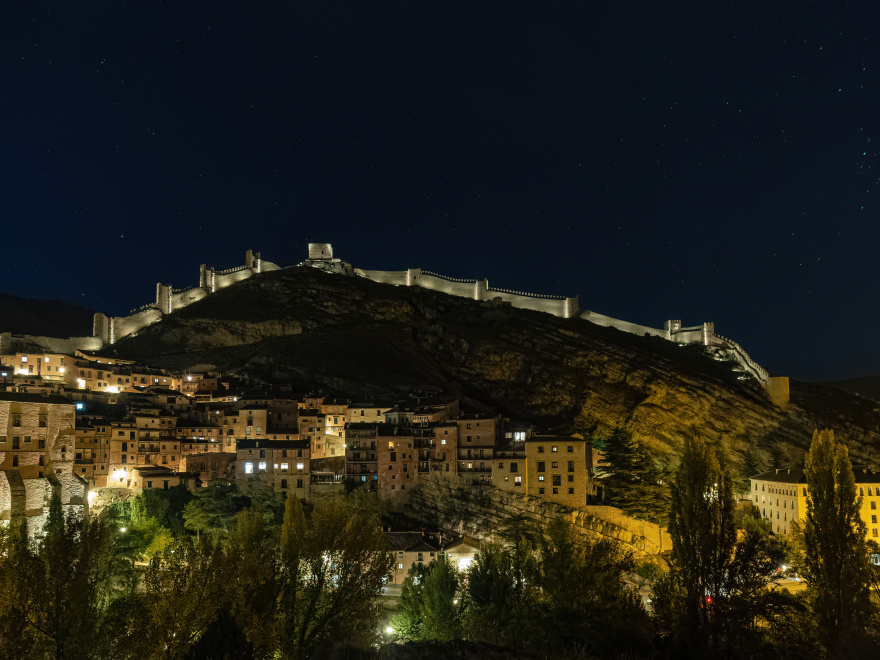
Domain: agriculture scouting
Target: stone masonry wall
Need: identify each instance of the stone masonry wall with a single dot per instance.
(451, 502)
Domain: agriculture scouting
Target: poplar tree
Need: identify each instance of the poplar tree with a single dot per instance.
(703, 531)
(835, 554)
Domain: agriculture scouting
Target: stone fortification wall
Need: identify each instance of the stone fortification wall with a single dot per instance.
(625, 326)
(565, 307)
(452, 502)
(395, 277)
(50, 344)
(168, 299)
(186, 297)
(739, 353)
(122, 326)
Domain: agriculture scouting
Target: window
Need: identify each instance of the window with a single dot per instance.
(284, 467)
(873, 506)
(571, 477)
(540, 491)
(540, 449)
(571, 491)
(541, 477)
(874, 520)
(570, 449)
(874, 532)
(262, 466)
(557, 480)
(554, 465)
(514, 467)
(299, 483)
(501, 466)
(556, 491)
(300, 467)
(517, 481)
(284, 483)
(42, 460)
(519, 435)
(16, 420)
(15, 460)
(16, 442)
(553, 449)
(540, 466)
(571, 466)
(248, 468)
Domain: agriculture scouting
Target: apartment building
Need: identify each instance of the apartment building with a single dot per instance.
(559, 469)
(285, 464)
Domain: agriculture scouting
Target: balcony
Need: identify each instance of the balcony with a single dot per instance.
(84, 461)
(486, 470)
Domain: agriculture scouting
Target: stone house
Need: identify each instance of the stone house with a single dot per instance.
(37, 440)
(285, 464)
(559, 469)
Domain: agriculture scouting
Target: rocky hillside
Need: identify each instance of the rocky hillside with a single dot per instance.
(48, 318)
(350, 335)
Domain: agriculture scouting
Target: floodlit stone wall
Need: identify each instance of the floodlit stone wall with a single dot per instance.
(108, 330)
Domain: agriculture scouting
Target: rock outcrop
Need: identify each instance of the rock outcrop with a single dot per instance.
(479, 510)
(358, 337)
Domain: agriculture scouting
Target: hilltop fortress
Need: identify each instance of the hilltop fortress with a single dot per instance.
(108, 330)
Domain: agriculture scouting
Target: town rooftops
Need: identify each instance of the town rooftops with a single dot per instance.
(782, 476)
(862, 474)
(23, 397)
(273, 444)
(554, 438)
(409, 542)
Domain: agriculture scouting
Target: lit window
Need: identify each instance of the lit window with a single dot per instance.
(262, 466)
(248, 468)
(300, 466)
(284, 467)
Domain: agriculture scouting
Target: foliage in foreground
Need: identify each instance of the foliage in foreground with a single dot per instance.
(267, 592)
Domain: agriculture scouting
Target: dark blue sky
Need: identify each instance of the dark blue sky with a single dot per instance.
(702, 161)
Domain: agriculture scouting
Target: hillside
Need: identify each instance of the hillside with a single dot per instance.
(353, 336)
(48, 318)
(866, 386)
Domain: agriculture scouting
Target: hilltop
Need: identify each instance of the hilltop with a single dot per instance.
(353, 336)
(49, 318)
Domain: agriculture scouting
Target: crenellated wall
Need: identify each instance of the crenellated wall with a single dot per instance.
(567, 307)
(168, 299)
(474, 289)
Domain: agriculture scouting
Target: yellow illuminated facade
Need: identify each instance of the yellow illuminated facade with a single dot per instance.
(780, 497)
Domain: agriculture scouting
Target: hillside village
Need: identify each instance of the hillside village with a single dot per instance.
(77, 422)
(82, 426)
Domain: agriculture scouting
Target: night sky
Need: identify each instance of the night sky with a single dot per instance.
(702, 161)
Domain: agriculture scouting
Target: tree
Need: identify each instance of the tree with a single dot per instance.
(490, 591)
(333, 566)
(213, 511)
(253, 558)
(702, 528)
(64, 583)
(183, 594)
(716, 594)
(632, 480)
(835, 555)
(407, 623)
(583, 599)
(441, 603)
